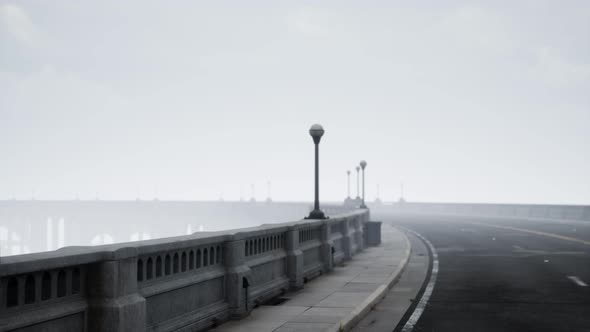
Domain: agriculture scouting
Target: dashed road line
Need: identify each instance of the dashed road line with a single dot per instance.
(577, 281)
(530, 231)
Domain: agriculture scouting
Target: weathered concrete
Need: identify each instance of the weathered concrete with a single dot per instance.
(183, 283)
(338, 298)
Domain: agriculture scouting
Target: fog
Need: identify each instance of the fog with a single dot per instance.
(482, 101)
(36, 226)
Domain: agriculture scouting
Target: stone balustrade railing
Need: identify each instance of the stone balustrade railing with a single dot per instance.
(182, 283)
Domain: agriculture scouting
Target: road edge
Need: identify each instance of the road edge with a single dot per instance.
(350, 320)
(412, 320)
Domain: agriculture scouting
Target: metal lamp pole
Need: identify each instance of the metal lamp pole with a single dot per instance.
(357, 182)
(348, 185)
(316, 131)
(363, 165)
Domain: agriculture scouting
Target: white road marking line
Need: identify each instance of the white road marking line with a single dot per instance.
(577, 281)
(530, 231)
(413, 320)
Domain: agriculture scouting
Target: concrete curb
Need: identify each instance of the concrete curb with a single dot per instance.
(350, 320)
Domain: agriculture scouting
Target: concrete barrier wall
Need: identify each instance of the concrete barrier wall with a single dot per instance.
(183, 283)
(561, 212)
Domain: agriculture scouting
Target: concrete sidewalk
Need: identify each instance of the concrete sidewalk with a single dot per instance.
(340, 297)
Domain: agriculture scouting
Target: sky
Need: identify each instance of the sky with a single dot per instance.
(462, 101)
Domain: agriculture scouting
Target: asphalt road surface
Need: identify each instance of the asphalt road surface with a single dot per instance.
(388, 313)
(506, 275)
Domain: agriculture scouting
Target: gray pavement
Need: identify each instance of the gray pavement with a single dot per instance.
(386, 315)
(326, 300)
(506, 275)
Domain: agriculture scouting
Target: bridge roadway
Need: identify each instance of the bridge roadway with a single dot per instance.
(499, 274)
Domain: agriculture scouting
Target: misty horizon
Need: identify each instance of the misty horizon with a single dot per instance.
(481, 102)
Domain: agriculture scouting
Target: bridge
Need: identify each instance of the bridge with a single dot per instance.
(199, 281)
(186, 282)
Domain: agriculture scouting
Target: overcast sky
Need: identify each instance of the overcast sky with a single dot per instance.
(475, 101)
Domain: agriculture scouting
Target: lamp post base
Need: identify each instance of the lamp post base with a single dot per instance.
(316, 214)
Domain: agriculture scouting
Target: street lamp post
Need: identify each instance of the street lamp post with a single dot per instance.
(357, 183)
(348, 185)
(252, 199)
(316, 131)
(401, 197)
(363, 165)
(377, 199)
(268, 198)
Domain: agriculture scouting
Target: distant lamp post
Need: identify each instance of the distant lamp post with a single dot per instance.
(378, 197)
(348, 185)
(358, 197)
(268, 198)
(252, 199)
(363, 165)
(316, 131)
(401, 197)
